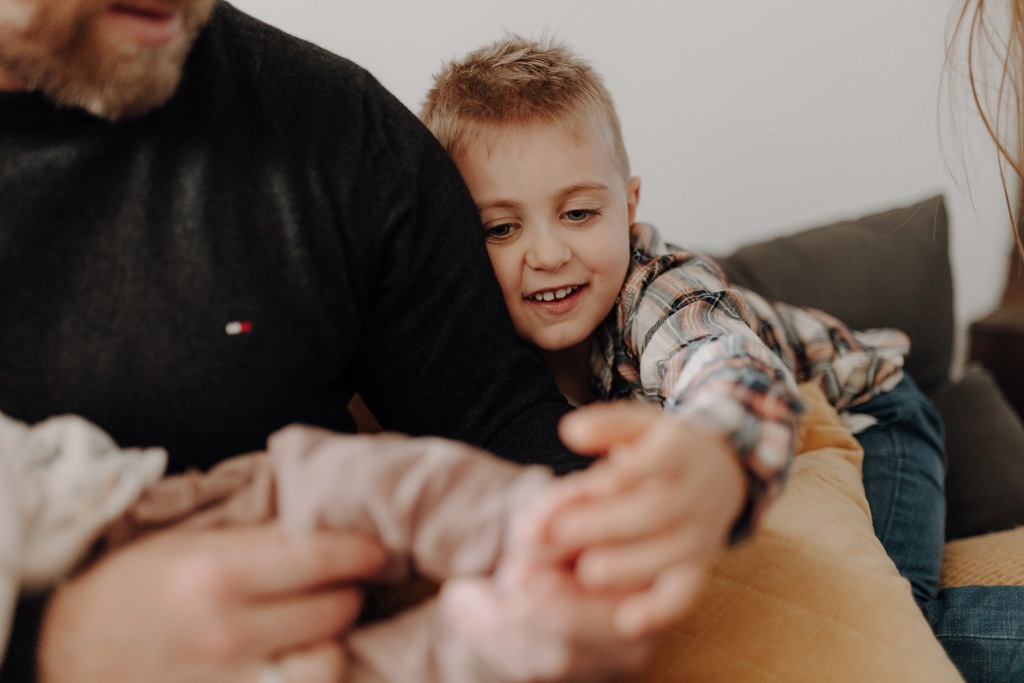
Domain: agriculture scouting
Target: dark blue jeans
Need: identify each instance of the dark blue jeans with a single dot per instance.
(981, 627)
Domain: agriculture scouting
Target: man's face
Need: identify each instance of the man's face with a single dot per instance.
(115, 58)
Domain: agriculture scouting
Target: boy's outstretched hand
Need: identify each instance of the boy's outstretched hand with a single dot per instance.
(652, 516)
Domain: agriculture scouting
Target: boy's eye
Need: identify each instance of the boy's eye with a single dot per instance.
(497, 233)
(580, 215)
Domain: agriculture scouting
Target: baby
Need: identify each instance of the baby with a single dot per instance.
(507, 610)
(61, 482)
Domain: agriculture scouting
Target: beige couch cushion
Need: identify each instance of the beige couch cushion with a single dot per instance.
(813, 596)
(995, 559)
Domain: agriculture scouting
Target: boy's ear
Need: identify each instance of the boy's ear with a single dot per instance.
(633, 197)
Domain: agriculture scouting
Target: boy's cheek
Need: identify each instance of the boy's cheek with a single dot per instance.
(506, 273)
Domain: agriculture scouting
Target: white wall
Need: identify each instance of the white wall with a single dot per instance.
(744, 119)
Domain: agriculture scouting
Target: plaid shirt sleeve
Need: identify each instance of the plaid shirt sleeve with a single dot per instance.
(851, 366)
(697, 353)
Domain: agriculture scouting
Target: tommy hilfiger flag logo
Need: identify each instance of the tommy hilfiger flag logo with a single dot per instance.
(238, 327)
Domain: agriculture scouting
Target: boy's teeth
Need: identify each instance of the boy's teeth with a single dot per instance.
(557, 294)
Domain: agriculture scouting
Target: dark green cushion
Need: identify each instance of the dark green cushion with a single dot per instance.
(885, 270)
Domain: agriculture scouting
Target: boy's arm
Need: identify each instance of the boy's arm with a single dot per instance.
(852, 366)
(699, 354)
(725, 385)
(677, 483)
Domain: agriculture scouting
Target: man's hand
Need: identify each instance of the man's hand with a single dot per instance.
(211, 606)
(653, 516)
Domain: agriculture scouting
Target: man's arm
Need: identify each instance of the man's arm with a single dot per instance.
(19, 661)
(439, 354)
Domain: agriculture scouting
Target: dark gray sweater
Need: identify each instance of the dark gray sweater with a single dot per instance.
(281, 234)
(282, 188)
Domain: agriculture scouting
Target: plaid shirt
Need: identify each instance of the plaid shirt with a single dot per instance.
(723, 356)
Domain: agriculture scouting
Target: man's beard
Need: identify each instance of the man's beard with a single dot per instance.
(75, 64)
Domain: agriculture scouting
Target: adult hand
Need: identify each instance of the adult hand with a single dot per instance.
(653, 516)
(213, 606)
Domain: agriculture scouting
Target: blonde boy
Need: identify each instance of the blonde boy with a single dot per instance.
(616, 313)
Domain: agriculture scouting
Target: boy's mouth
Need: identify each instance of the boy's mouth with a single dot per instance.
(555, 294)
(556, 301)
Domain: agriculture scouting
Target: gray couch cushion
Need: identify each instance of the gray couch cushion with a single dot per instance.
(885, 270)
(892, 270)
(985, 447)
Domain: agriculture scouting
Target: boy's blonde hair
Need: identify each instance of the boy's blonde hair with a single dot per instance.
(514, 82)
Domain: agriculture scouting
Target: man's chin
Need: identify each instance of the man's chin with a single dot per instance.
(114, 101)
(117, 89)
(101, 70)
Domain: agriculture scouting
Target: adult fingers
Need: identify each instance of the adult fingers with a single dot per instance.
(169, 604)
(597, 428)
(294, 622)
(267, 562)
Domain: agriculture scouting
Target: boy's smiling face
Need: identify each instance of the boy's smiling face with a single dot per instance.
(556, 213)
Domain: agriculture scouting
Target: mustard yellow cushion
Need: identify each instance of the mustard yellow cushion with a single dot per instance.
(812, 596)
(995, 559)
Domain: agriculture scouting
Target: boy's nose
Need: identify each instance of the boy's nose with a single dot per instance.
(547, 252)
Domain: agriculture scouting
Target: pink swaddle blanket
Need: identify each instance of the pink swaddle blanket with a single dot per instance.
(440, 509)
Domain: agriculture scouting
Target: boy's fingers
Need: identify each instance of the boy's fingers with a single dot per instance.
(670, 445)
(625, 566)
(667, 601)
(533, 525)
(565, 495)
(597, 428)
(638, 512)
